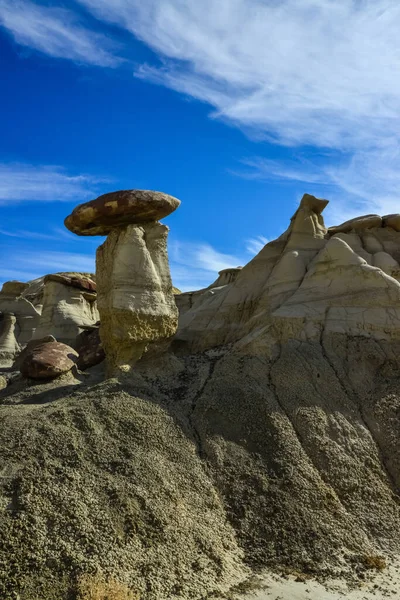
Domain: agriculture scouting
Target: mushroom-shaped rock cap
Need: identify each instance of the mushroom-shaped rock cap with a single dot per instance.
(117, 209)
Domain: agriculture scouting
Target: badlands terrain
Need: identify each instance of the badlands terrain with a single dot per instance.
(180, 445)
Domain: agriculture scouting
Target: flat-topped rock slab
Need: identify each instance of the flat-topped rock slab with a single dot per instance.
(118, 209)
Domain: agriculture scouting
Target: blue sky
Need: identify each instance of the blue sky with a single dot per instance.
(237, 107)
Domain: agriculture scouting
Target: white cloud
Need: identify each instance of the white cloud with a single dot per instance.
(56, 32)
(201, 256)
(302, 71)
(196, 265)
(367, 182)
(16, 275)
(255, 245)
(298, 72)
(49, 262)
(21, 182)
(312, 73)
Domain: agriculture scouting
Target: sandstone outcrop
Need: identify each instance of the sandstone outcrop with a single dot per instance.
(187, 300)
(135, 295)
(48, 360)
(14, 306)
(59, 304)
(8, 342)
(69, 305)
(265, 436)
(309, 281)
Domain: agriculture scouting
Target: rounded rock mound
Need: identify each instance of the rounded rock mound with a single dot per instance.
(118, 209)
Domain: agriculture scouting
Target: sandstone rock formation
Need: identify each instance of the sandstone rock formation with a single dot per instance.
(69, 304)
(135, 295)
(8, 342)
(47, 360)
(188, 299)
(20, 319)
(265, 436)
(59, 304)
(309, 281)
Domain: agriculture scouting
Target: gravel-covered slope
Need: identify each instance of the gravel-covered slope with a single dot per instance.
(183, 475)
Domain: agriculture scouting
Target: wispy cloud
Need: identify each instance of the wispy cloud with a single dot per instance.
(56, 32)
(16, 274)
(49, 262)
(196, 265)
(254, 245)
(22, 182)
(202, 256)
(296, 72)
(304, 73)
(262, 65)
(365, 182)
(264, 169)
(30, 235)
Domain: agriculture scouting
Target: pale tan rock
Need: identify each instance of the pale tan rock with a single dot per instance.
(226, 276)
(187, 300)
(8, 343)
(66, 311)
(135, 298)
(387, 264)
(356, 243)
(27, 316)
(357, 224)
(224, 315)
(306, 282)
(370, 241)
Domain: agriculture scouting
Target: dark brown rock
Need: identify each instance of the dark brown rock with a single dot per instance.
(117, 209)
(82, 283)
(48, 360)
(90, 349)
(392, 221)
(29, 348)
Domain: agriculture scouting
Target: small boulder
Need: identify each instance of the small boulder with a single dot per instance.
(88, 345)
(48, 360)
(119, 209)
(29, 348)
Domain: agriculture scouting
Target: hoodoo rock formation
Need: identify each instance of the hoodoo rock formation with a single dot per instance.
(264, 436)
(20, 319)
(135, 295)
(61, 305)
(69, 305)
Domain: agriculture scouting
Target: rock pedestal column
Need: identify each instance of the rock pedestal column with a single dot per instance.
(134, 289)
(135, 298)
